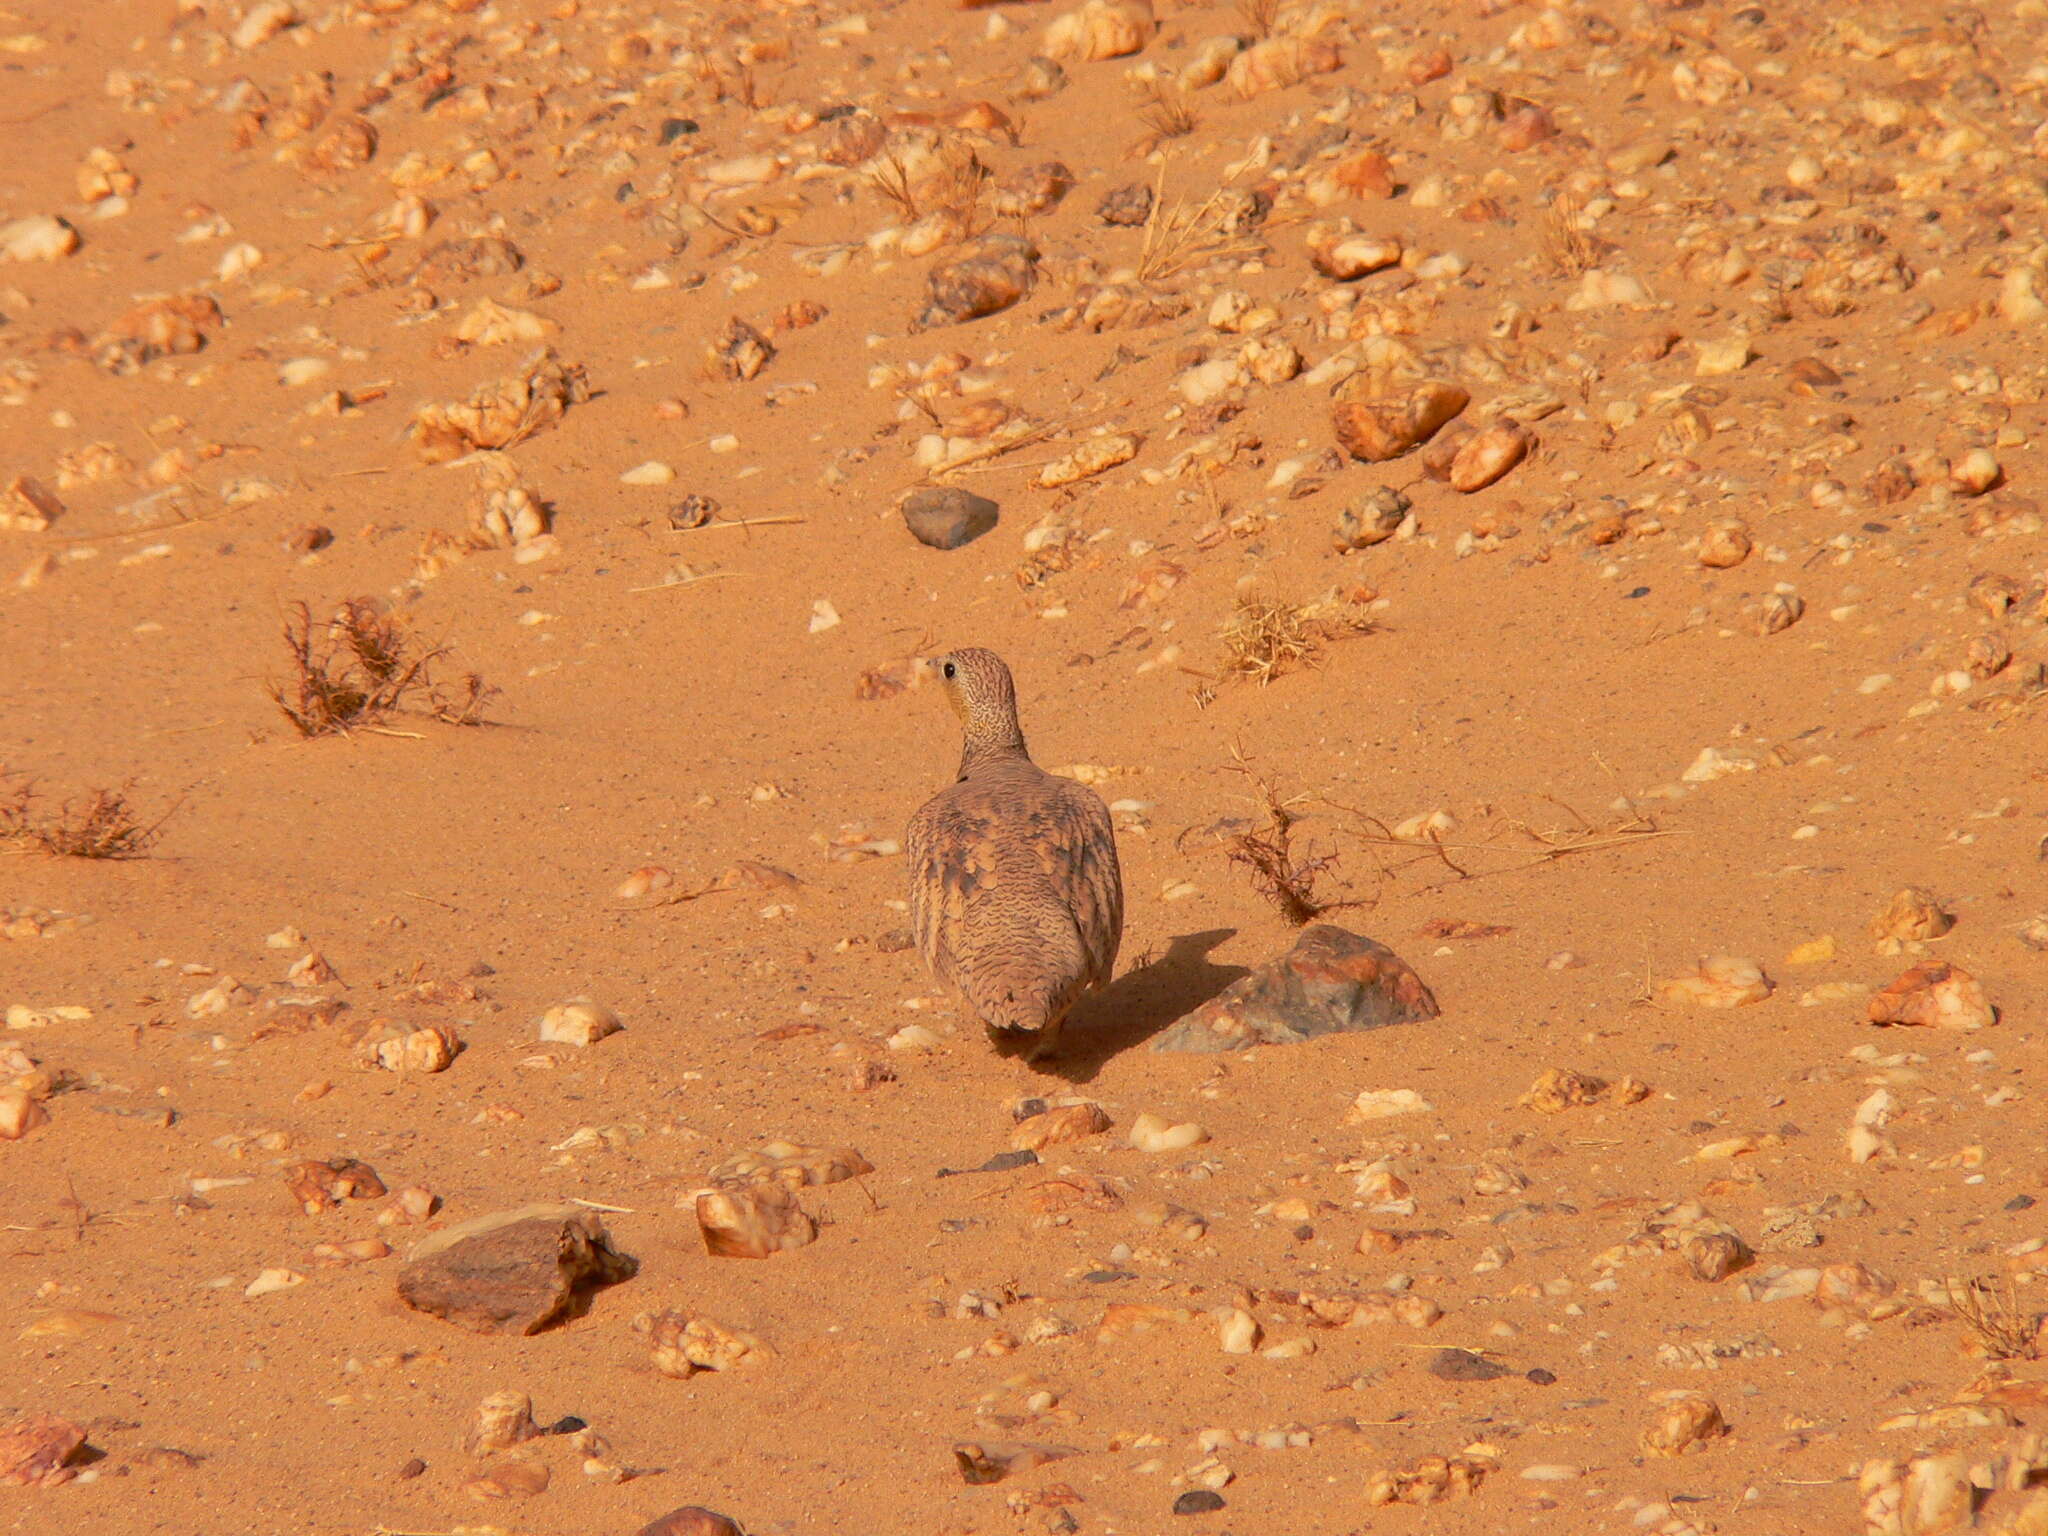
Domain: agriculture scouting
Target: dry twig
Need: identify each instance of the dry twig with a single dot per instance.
(1993, 1312)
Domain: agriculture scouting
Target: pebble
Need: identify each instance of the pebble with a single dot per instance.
(1155, 1133)
(945, 517)
(40, 237)
(578, 1022)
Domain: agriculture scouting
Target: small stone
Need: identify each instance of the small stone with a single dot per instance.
(400, 1048)
(946, 517)
(1155, 1133)
(513, 1478)
(1685, 1422)
(1332, 981)
(1724, 545)
(40, 237)
(1713, 1256)
(1376, 431)
(271, 1281)
(321, 1186)
(578, 1022)
(515, 1271)
(1730, 355)
(653, 472)
(1934, 994)
(1372, 519)
(1720, 981)
(752, 1222)
(20, 1113)
(1779, 612)
(1198, 1501)
(1487, 456)
(1063, 1123)
(1238, 1332)
(740, 352)
(1125, 207)
(988, 277)
(1976, 472)
(684, 1345)
(990, 1461)
(1912, 916)
(502, 1421)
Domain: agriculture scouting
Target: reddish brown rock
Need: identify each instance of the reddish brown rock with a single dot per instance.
(1331, 982)
(39, 1451)
(513, 1271)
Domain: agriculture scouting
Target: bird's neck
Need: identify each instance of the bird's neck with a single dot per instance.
(986, 748)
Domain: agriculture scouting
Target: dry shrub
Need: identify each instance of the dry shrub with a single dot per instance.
(1567, 247)
(1267, 855)
(99, 824)
(1264, 637)
(362, 666)
(1992, 1311)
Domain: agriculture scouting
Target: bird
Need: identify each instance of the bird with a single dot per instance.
(1016, 897)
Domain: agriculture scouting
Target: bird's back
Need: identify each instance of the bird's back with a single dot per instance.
(1016, 897)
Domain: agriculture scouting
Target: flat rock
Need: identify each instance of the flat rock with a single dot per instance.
(692, 1520)
(513, 1271)
(946, 517)
(39, 1451)
(1331, 982)
(1463, 1365)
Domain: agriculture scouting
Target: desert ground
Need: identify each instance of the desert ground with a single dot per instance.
(1553, 489)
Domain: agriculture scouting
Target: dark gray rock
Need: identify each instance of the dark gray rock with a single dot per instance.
(946, 517)
(1331, 982)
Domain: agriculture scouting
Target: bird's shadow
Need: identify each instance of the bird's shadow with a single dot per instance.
(1139, 1004)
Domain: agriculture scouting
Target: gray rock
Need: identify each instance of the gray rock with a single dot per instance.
(945, 517)
(513, 1271)
(1331, 982)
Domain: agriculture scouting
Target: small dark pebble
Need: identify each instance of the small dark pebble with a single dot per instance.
(1197, 1501)
(1877, 527)
(673, 128)
(2020, 1203)
(1107, 1276)
(568, 1424)
(624, 192)
(1637, 592)
(1461, 1365)
(894, 941)
(1304, 1233)
(946, 517)
(1541, 1377)
(1024, 1109)
(410, 1470)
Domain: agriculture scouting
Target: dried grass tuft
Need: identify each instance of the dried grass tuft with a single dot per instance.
(1991, 1310)
(1264, 638)
(359, 668)
(99, 824)
(1567, 247)
(1166, 111)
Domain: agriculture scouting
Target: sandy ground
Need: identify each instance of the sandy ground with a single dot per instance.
(1772, 266)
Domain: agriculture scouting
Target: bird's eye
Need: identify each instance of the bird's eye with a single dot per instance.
(951, 670)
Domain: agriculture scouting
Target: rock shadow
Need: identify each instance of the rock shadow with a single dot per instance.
(1140, 1003)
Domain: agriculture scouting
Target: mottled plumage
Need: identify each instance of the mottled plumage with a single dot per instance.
(1015, 894)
